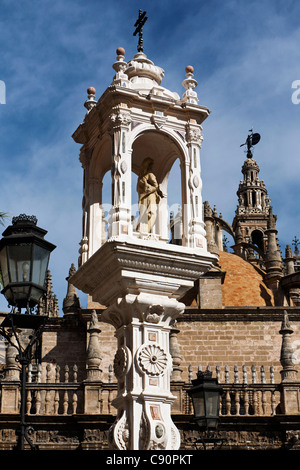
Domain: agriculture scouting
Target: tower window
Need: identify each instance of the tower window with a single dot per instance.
(257, 239)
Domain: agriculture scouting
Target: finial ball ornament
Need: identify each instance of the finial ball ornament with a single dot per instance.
(120, 51)
(91, 90)
(189, 69)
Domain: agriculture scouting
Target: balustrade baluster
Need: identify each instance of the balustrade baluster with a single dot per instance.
(244, 369)
(28, 402)
(228, 403)
(48, 373)
(246, 402)
(66, 373)
(39, 374)
(236, 374)
(272, 374)
(255, 403)
(38, 402)
(47, 402)
(263, 402)
(237, 403)
(262, 375)
(74, 403)
(253, 370)
(29, 377)
(57, 375)
(66, 402)
(273, 403)
(75, 373)
(226, 375)
(56, 402)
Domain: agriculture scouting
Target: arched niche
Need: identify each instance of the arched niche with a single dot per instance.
(97, 196)
(164, 150)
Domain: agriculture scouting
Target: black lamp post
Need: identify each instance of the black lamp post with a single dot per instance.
(205, 394)
(24, 258)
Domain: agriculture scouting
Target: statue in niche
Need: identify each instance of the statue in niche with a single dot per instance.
(149, 196)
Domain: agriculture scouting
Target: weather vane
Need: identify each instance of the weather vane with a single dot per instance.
(252, 139)
(139, 29)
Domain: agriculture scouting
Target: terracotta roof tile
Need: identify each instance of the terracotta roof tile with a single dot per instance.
(243, 284)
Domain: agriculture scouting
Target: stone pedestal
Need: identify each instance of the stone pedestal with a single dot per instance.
(10, 397)
(140, 282)
(143, 366)
(290, 398)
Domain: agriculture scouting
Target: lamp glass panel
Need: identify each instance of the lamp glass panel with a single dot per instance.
(198, 402)
(211, 398)
(39, 265)
(3, 267)
(19, 259)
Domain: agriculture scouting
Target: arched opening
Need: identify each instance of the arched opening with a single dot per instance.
(106, 203)
(257, 239)
(175, 204)
(164, 152)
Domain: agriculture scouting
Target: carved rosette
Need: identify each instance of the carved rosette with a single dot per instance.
(122, 362)
(152, 359)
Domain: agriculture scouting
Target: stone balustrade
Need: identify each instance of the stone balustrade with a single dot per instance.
(52, 390)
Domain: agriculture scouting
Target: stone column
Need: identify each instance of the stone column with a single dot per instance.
(12, 370)
(10, 387)
(176, 356)
(93, 352)
(93, 381)
(194, 220)
(290, 387)
(120, 220)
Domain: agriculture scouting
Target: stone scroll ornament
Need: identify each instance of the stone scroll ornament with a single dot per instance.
(122, 362)
(118, 434)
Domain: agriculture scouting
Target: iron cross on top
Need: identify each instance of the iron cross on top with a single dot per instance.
(139, 29)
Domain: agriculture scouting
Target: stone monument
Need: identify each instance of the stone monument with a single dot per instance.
(138, 126)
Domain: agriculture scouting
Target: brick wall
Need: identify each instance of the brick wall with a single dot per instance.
(233, 342)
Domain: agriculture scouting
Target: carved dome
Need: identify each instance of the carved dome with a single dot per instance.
(144, 75)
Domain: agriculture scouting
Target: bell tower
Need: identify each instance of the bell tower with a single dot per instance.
(251, 218)
(135, 132)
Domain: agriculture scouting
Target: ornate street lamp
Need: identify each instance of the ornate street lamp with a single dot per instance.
(24, 258)
(205, 394)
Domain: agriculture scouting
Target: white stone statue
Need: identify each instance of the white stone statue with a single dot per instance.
(149, 196)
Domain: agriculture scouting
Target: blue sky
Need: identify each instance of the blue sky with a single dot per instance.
(245, 54)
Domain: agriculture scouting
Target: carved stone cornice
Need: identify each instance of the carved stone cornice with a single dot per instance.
(158, 267)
